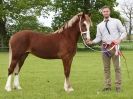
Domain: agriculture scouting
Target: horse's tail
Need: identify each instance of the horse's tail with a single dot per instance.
(10, 52)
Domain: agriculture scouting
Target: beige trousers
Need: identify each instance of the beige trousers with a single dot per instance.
(107, 72)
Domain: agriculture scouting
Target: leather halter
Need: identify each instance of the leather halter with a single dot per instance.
(85, 32)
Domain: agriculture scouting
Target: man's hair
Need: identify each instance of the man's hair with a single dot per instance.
(104, 7)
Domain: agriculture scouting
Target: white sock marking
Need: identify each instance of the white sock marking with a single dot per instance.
(67, 85)
(16, 82)
(8, 83)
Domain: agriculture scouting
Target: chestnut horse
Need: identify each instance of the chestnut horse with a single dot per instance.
(61, 44)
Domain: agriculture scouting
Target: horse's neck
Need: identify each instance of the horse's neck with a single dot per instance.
(73, 33)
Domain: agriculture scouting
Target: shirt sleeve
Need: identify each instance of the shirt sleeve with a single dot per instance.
(98, 36)
(122, 30)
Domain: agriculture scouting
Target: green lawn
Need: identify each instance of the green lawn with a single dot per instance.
(44, 79)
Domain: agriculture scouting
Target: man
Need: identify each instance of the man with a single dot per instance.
(110, 31)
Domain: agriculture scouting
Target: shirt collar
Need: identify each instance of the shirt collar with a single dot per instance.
(108, 19)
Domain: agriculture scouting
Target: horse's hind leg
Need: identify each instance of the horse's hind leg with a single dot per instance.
(8, 83)
(13, 60)
(67, 67)
(10, 71)
(16, 83)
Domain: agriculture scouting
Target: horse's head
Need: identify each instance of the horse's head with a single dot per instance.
(84, 25)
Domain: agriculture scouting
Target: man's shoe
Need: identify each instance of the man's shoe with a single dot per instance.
(118, 90)
(106, 89)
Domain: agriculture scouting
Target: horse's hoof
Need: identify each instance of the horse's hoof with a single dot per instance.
(8, 89)
(69, 89)
(17, 87)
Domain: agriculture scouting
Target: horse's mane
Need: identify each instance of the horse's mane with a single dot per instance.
(68, 24)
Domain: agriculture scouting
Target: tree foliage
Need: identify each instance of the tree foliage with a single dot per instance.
(20, 14)
(27, 23)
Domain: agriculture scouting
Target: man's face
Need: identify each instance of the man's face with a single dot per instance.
(106, 12)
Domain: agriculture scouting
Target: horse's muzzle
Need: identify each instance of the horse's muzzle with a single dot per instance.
(84, 36)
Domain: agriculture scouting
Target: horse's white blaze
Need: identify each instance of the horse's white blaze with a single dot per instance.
(8, 83)
(67, 85)
(16, 82)
(88, 29)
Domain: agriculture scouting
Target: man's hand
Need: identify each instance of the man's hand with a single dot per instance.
(89, 42)
(118, 41)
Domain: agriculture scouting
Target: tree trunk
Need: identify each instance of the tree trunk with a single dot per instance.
(3, 32)
(129, 37)
(1, 42)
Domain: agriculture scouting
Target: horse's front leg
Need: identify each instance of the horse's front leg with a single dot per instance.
(67, 67)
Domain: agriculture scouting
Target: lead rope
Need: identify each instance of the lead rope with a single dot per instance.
(97, 50)
(125, 61)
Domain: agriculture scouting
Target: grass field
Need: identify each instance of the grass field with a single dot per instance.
(44, 79)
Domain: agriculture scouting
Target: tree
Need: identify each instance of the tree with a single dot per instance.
(65, 9)
(127, 10)
(25, 24)
(12, 11)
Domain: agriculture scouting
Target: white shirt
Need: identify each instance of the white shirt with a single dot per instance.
(116, 31)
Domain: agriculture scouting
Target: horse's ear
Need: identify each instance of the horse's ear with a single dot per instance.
(83, 14)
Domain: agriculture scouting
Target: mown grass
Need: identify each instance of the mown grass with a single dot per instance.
(43, 79)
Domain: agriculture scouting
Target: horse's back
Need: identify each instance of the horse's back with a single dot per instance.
(24, 36)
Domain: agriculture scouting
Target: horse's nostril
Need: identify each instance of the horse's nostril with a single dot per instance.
(84, 36)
